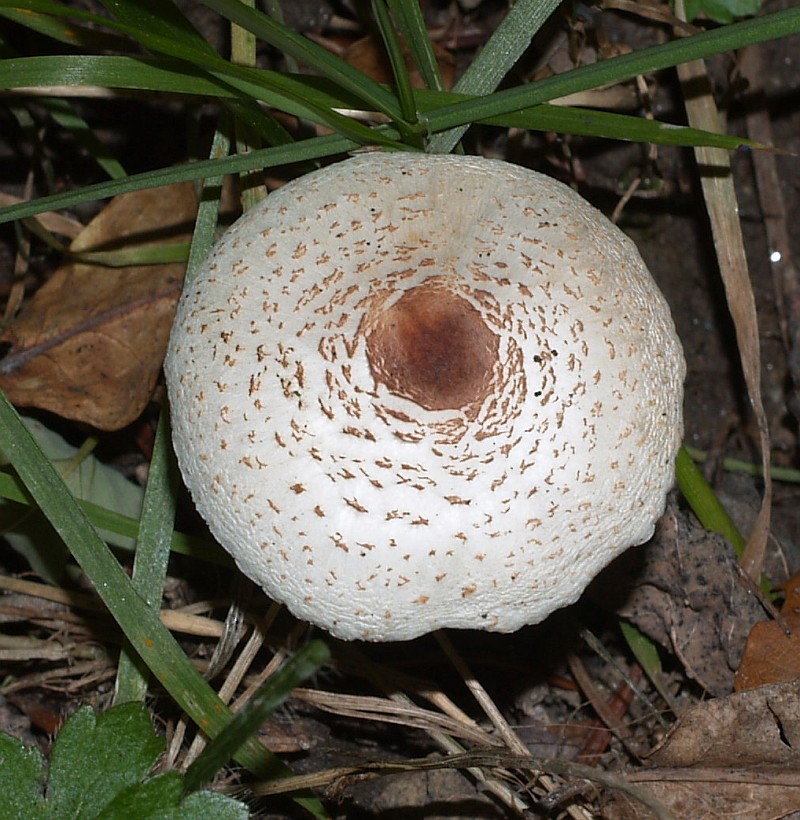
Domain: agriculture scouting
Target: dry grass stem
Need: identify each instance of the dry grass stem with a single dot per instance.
(404, 713)
(175, 620)
(229, 686)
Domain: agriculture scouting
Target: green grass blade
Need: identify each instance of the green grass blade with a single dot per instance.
(138, 621)
(156, 21)
(306, 150)
(152, 553)
(169, 75)
(248, 720)
(374, 96)
(618, 69)
(71, 34)
(158, 513)
(397, 60)
(593, 123)
(704, 502)
(268, 87)
(504, 48)
(411, 23)
(65, 115)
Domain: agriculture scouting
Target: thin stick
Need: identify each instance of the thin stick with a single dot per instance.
(498, 721)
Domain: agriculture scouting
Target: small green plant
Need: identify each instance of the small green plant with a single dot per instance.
(721, 11)
(101, 767)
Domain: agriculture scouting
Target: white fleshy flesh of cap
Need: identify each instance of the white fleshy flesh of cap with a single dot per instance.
(411, 392)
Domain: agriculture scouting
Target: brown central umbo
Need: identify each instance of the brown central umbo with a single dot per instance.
(433, 347)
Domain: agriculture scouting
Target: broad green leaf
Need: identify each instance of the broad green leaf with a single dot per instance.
(31, 534)
(161, 798)
(99, 770)
(94, 758)
(22, 779)
(721, 11)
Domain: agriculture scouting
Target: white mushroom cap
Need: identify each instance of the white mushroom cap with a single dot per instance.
(413, 391)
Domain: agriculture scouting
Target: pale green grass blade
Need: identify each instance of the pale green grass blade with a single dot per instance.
(790, 475)
(124, 257)
(411, 23)
(138, 621)
(123, 527)
(646, 654)
(704, 502)
(208, 209)
(152, 553)
(618, 69)
(502, 51)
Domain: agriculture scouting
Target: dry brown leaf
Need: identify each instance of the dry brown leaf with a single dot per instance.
(369, 56)
(90, 342)
(754, 793)
(736, 756)
(682, 589)
(723, 213)
(744, 729)
(771, 655)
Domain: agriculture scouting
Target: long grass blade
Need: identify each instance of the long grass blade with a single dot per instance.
(152, 553)
(504, 48)
(139, 622)
(374, 96)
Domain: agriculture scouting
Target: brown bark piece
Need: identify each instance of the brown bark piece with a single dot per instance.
(90, 342)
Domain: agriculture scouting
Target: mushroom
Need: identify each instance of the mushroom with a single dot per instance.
(417, 391)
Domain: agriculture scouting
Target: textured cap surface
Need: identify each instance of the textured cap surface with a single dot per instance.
(413, 391)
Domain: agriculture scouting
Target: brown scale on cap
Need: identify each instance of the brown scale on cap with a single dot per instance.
(432, 347)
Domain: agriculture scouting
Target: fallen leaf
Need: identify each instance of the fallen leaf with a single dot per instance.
(743, 729)
(31, 534)
(368, 55)
(737, 756)
(90, 342)
(770, 654)
(754, 793)
(682, 590)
